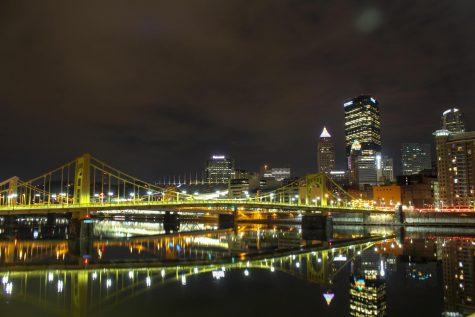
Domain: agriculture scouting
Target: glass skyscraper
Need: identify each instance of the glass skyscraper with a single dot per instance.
(415, 157)
(452, 120)
(325, 153)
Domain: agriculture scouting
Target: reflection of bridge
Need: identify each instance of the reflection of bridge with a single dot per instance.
(79, 292)
(88, 185)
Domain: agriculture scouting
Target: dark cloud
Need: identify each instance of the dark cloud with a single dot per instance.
(156, 86)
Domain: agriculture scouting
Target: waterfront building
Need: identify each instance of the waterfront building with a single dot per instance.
(325, 153)
(452, 120)
(456, 168)
(415, 157)
(387, 195)
(219, 169)
(419, 190)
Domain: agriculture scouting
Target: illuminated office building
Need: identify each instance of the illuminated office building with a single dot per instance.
(219, 169)
(278, 173)
(415, 158)
(325, 153)
(363, 124)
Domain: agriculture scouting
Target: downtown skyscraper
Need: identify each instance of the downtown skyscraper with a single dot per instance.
(363, 140)
(325, 153)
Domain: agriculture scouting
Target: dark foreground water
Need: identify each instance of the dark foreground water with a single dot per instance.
(119, 268)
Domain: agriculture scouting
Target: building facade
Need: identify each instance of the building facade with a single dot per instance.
(325, 153)
(219, 169)
(415, 157)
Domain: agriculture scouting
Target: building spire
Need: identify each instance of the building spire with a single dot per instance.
(325, 133)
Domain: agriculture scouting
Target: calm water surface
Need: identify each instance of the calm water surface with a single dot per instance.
(132, 268)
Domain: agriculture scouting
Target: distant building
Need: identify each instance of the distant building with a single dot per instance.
(278, 173)
(387, 170)
(415, 157)
(456, 168)
(325, 153)
(238, 188)
(219, 169)
(452, 120)
(340, 177)
(363, 124)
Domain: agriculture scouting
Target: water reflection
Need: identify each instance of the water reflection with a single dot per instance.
(106, 267)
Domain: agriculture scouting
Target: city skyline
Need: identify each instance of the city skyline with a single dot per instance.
(255, 89)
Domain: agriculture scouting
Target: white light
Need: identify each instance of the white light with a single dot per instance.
(94, 276)
(349, 103)
(50, 277)
(183, 280)
(272, 269)
(5, 279)
(60, 286)
(148, 281)
(163, 273)
(218, 274)
(297, 264)
(149, 193)
(246, 272)
(108, 283)
(218, 157)
(9, 288)
(132, 194)
(319, 260)
(131, 274)
(110, 193)
(195, 270)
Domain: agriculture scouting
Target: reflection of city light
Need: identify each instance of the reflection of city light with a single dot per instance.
(94, 276)
(108, 283)
(148, 281)
(246, 272)
(195, 270)
(50, 277)
(272, 269)
(183, 280)
(218, 274)
(60, 286)
(131, 274)
(163, 273)
(9, 288)
(5, 279)
(319, 260)
(297, 264)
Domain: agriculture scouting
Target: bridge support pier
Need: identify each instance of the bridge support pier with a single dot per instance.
(81, 238)
(171, 222)
(320, 222)
(226, 221)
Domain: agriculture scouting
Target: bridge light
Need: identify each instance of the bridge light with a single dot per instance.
(132, 194)
(272, 269)
(148, 281)
(246, 272)
(108, 283)
(5, 279)
(94, 276)
(183, 191)
(131, 275)
(110, 193)
(196, 193)
(195, 270)
(50, 277)
(149, 193)
(37, 195)
(162, 273)
(96, 195)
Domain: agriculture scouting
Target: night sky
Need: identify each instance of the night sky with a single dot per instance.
(155, 87)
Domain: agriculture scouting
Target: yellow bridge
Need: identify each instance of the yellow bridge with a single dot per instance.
(87, 184)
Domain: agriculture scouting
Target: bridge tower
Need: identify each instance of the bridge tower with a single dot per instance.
(82, 180)
(315, 187)
(12, 188)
